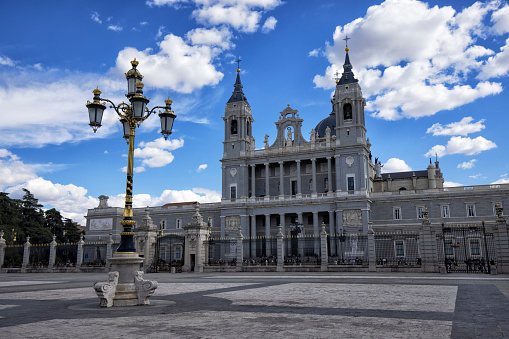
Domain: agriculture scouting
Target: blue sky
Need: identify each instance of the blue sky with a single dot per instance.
(434, 75)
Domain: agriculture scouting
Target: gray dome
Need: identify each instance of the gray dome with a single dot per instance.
(330, 122)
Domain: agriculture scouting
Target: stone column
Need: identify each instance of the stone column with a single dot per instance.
(428, 246)
(253, 181)
(365, 220)
(280, 251)
(2, 249)
(371, 250)
(267, 234)
(299, 181)
(282, 223)
(52, 252)
(223, 226)
(109, 249)
(26, 255)
(267, 178)
(316, 232)
(331, 223)
(313, 169)
(240, 252)
(281, 179)
(79, 257)
(329, 176)
(501, 237)
(324, 251)
(339, 221)
(253, 236)
(338, 177)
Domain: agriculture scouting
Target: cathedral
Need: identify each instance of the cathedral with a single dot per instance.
(300, 184)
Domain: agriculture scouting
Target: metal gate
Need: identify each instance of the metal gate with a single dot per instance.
(169, 253)
(466, 248)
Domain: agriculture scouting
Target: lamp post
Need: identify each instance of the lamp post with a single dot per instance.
(131, 115)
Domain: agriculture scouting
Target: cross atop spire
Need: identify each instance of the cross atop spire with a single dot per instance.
(346, 40)
(238, 64)
(337, 76)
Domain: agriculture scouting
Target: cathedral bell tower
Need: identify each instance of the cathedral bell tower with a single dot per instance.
(238, 140)
(349, 106)
(352, 148)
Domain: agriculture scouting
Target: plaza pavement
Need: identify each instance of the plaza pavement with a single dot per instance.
(268, 305)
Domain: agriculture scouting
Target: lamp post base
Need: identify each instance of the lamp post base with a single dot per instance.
(126, 286)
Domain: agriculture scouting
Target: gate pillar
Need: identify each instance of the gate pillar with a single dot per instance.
(501, 234)
(2, 249)
(196, 233)
(428, 246)
(323, 244)
(280, 250)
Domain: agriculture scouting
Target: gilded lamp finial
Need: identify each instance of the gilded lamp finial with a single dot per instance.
(139, 84)
(168, 101)
(97, 91)
(134, 63)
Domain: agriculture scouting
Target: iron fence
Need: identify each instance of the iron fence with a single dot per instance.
(13, 256)
(302, 249)
(222, 251)
(348, 249)
(260, 250)
(397, 249)
(39, 255)
(169, 253)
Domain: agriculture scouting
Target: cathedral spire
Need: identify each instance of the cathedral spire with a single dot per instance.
(347, 77)
(238, 94)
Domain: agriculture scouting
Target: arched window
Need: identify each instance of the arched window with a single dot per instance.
(347, 111)
(233, 128)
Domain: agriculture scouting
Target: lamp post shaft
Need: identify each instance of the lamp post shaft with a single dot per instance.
(127, 235)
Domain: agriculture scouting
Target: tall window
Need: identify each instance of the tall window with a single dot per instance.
(470, 210)
(475, 248)
(397, 213)
(162, 224)
(178, 252)
(399, 247)
(351, 183)
(444, 211)
(233, 192)
(178, 224)
(347, 111)
(420, 212)
(233, 127)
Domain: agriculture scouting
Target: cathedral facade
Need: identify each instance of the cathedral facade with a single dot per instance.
(300, 184)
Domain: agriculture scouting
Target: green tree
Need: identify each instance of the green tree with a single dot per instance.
(71, 231)
(10, 217)
(55, 224)
(33, 223)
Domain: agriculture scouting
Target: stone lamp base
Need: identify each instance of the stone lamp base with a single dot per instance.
(125, 285)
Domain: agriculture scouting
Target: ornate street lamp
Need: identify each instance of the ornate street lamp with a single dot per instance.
(131, 115)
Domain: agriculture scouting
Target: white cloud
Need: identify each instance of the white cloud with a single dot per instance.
(497, 65)
(501, 181)
(451, 184)
(500, 19)
(168, 196)
(211, 37)
(65, 116)
(395, 165)
(239, 14)
(156, 153)
(177, 65)
(143, 23)
(95, 17)
(6, 61)
(12, 170)
(269, 25)
(201, 168)
(418, 64)
(160, 32)
(462, 127)
(164, 2)
(461, 145)
(315, 52)
(467, 164)
(115, 28)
